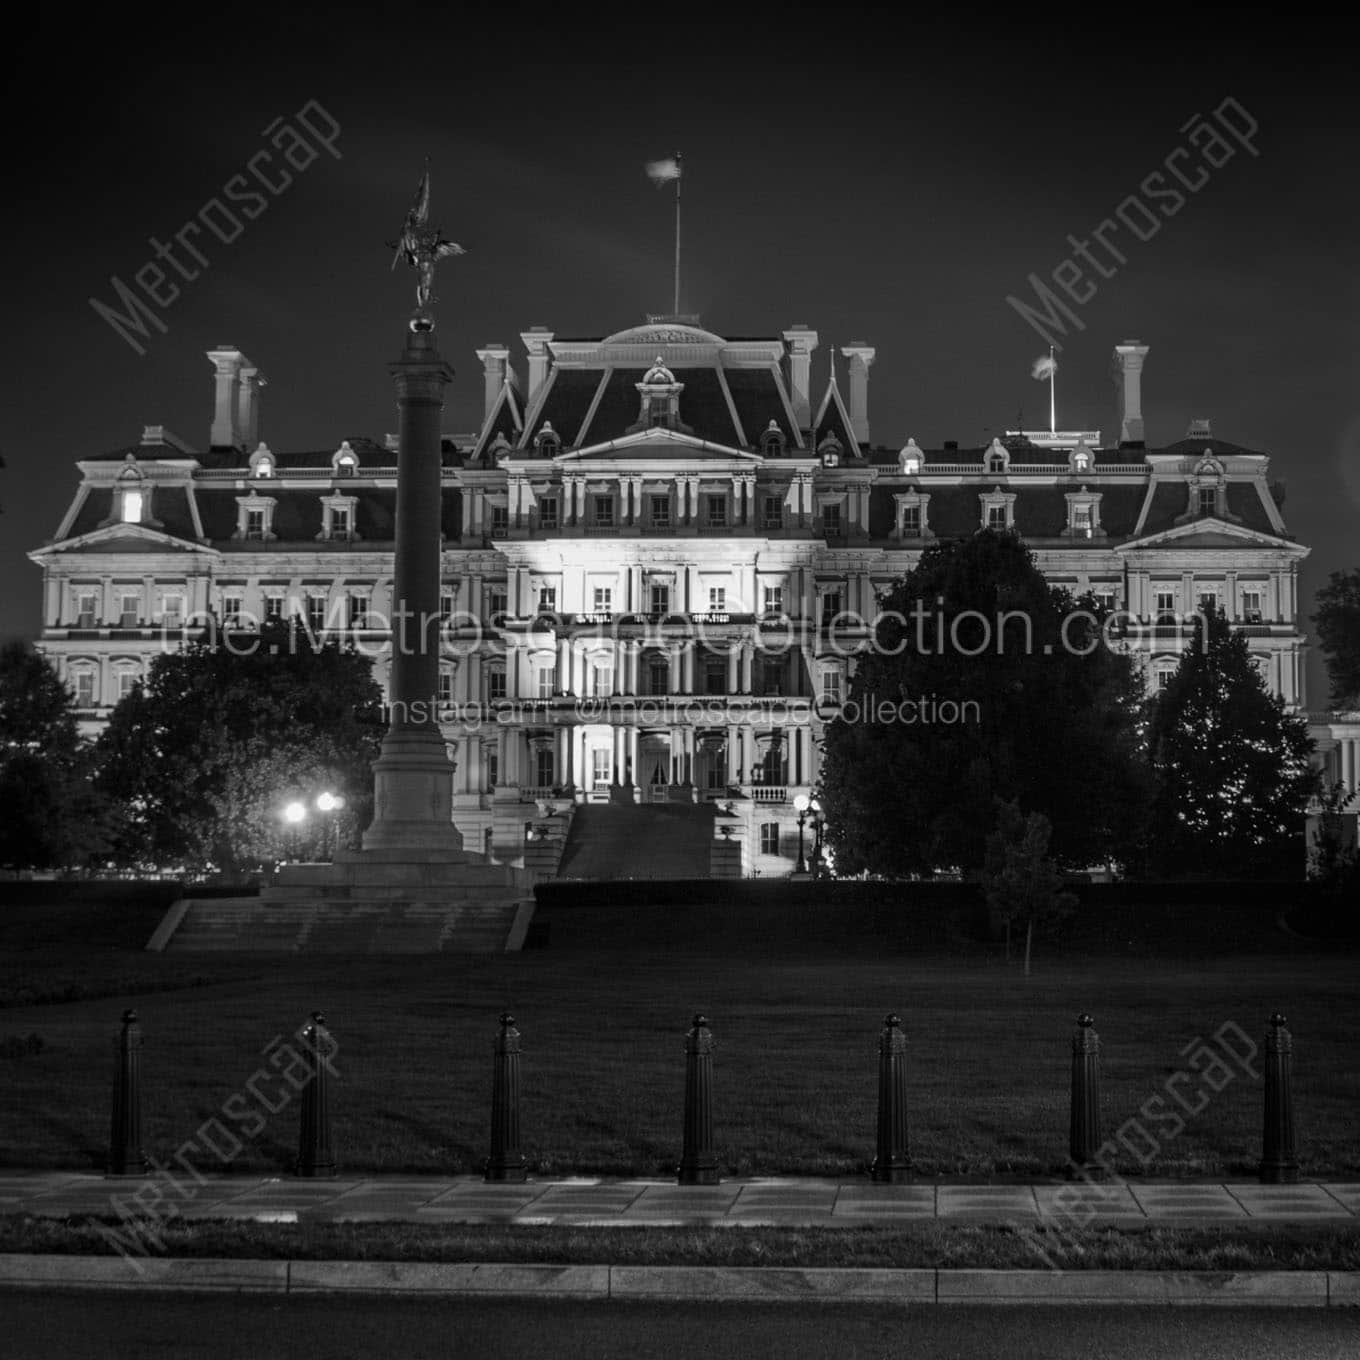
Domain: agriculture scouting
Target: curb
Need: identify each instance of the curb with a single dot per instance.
(1157, 1288)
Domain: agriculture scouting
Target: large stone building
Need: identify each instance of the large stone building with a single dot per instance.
(661, 551)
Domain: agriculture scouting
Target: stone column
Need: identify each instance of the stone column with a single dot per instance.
(413, 779)
(860, 356)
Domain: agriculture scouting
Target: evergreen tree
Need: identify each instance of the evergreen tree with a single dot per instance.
(1232, 765)
(203, 757)
(1021, 884)
(1337, 621)
(1054, 722)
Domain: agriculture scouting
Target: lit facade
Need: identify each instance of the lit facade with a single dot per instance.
(661, 553)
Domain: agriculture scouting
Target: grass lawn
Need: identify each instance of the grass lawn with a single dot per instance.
(943, 1246)
(794, 1074)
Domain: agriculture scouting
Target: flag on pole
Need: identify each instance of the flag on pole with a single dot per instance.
(1045, 366)
(663, 172)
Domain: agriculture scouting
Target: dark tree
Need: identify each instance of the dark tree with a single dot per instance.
(1055, 723)
(1232, 764)
(203, 757)
(50, 813)
(1021, 884)
(1337, 620)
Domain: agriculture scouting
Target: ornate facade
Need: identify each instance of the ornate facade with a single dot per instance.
(661, 552)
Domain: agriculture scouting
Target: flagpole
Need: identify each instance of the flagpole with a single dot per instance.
(1052, 393)
(678, 177)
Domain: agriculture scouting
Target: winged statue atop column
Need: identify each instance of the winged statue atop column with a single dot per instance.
(422, 245)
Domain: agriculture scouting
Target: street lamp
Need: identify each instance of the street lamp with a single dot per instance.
(328, 804)
(818, 821)
(800, 805)
(293, 816)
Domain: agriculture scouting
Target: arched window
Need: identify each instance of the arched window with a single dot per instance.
(262, 462)
(345, 461)
(548, 442)
(772, 441)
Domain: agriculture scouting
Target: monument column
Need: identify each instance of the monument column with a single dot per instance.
(413, 778)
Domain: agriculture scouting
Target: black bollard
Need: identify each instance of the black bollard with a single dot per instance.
(698, 1161)
(314, 1135)
(1083, 1144)
(1279, 1161)
(126, 1157)
(506, 1162)
(893, 1161)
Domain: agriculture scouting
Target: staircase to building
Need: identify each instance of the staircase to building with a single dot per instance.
(647, 840)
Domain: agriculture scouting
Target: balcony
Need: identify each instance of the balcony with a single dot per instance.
(769, 793)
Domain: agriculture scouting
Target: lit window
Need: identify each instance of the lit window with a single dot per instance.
(129, 607)
(172, 611)
(769, 838)
(264, 468)
(273, 605)
(87, 609)
(345, 465)
(717, 599)
(132, 507)
(1251, 606)
(774, 599)
(1081, 516)
(602, 677)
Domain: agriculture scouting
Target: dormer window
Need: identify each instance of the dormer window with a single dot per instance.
(254, 519)
(337, 518)
(262, 462)
(132, 495)
(1083, 515)
(998, 509)
(912, 510)
(772, 441)
(911, 460)
(1207, 488)
(830, 451)
(345, 461)
(998, 460)
(548, 442)
(1207, 499)
(1080, 460)
(660, 395)
(130, 506)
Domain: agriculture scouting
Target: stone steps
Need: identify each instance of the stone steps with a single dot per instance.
(649, 840)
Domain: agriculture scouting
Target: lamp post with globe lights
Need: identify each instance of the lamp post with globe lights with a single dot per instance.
(818, 818)
(294, 814)
(801, 804)
(328, 804)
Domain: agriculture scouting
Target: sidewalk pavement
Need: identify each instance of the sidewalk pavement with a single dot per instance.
(613, 1202)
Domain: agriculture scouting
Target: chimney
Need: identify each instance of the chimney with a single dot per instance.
(236, 415)
(496, 370)
(801, 342)
(1127, 370)
(536, 340)
(860, 356)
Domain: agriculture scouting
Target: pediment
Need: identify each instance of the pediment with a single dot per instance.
(659, 445)
(1208, 533)
(119, 539)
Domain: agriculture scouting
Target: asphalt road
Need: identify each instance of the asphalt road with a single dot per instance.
(78, 1325)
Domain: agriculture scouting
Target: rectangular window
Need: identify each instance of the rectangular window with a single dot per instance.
(500, 521)
(495, 684)
(772, 678)
(172, 611)
(599, 769)
(1081, 515)
(445, 687)
(123, 683)
(716, 511)
(129, 606)
(546, 681)
(911, 521)
(255, 524)
(602, 678)
(83, 684)
(445, 609)
(659, 677)
(1208, 599)
(492, 760)
(87, 609)
(1251, 606)
(316, 613)
(604, 599)
(772, 513)
(717, 599)
(1164, 674)
(232, 608)
(1208, 500)
(717, 771)
(358, 610)
(547, 513)
(661, 599)
(132, 507)
(831, 606)
(1105, 600)
(774, 599)
(996, 516)
(715, 675)
(339, 521)
(545, 776)
(547, 599)
(1166, 606)
(659, 511)
(604, 511)
(831, 520)
(273, 605)
(831, 686)
(769, 838)
(496, 599)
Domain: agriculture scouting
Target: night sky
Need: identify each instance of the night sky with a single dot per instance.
(891, 186)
